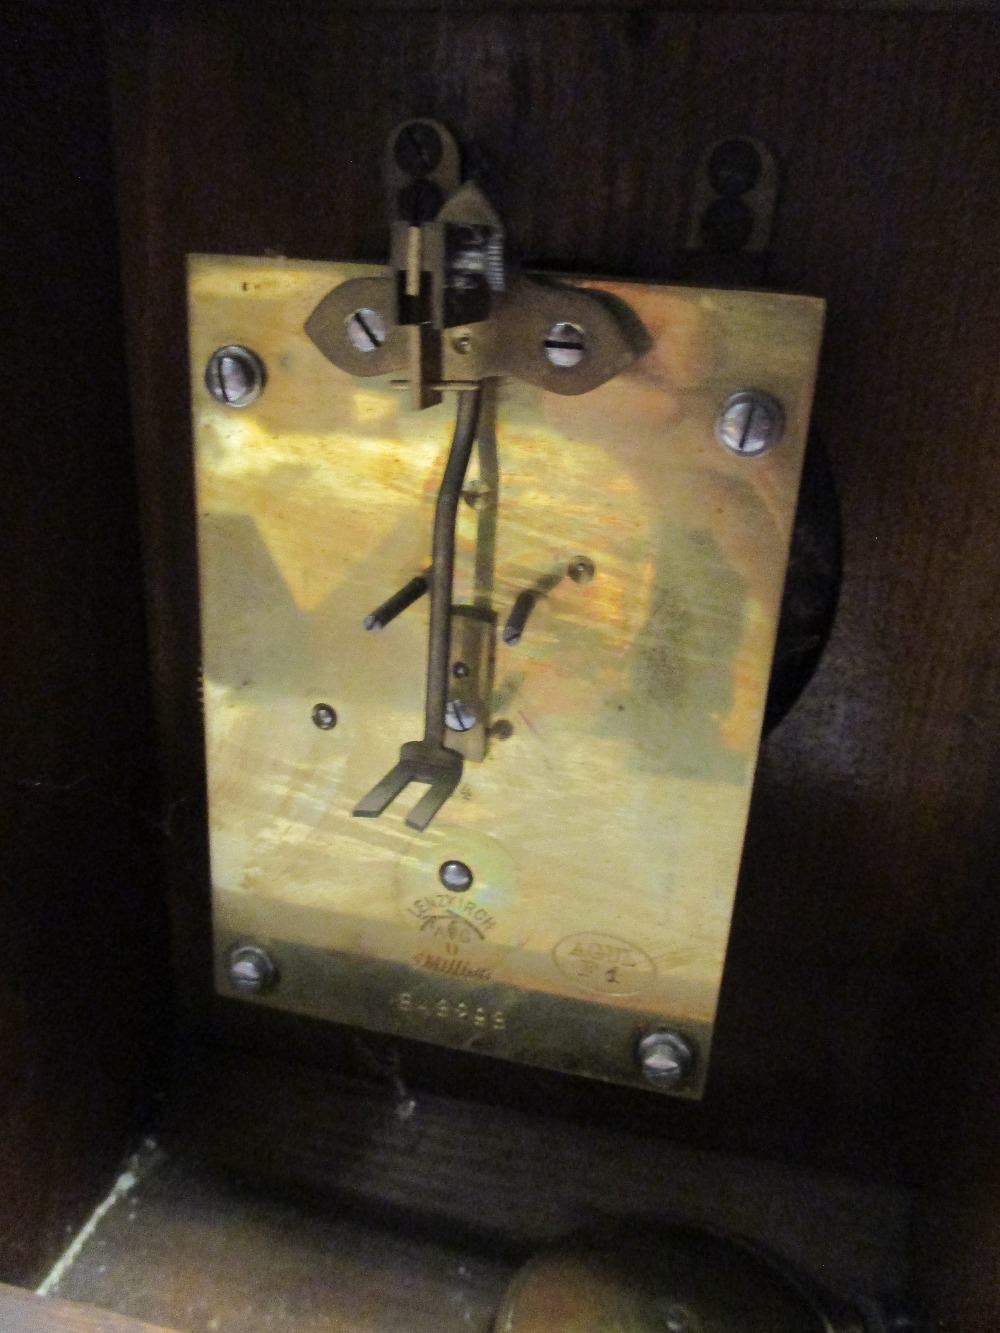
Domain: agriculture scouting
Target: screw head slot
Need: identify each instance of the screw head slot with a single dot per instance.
(366, 329)
(235, 376)
(418, 148)
(459, 715)
(750, 423)
(565, 345)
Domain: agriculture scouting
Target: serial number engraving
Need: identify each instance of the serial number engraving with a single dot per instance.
(458, 1011)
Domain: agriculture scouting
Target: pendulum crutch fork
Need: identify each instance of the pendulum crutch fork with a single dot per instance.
(429, 760)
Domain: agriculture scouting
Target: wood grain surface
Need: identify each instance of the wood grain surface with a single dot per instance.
(872, 799)
(512, 1183)
(204, 1253)
(425, 1233)
(23, 1312)
(80, 985)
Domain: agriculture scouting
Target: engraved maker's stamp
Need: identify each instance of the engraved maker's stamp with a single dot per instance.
(604, 964)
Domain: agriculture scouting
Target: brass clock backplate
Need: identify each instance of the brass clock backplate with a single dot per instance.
(604, 826)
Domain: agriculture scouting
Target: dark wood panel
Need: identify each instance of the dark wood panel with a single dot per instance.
(21, 1312)
(873, 797)
(81, 978)
(420, 1225)
(198, 1250)
(958, 1239)
(748, 7)
(509, 1183)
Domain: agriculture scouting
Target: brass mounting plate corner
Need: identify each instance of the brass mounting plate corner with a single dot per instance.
(604, 826)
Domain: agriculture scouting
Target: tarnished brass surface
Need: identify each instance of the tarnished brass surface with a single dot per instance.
(604, 825)
(664, 1281)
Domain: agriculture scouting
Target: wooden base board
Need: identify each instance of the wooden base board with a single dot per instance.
(284, 1198)
(23, 1312)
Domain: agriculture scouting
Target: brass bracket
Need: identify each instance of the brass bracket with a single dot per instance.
(470, 694)
(449, 317)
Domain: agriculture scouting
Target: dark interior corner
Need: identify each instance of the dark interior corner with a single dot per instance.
(83, 946)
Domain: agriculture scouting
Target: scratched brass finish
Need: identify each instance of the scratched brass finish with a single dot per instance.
(603, 823)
